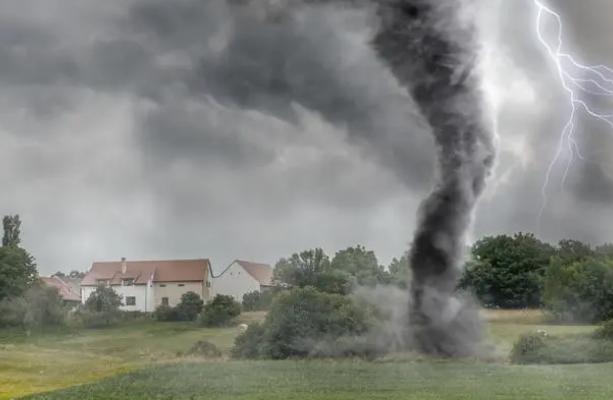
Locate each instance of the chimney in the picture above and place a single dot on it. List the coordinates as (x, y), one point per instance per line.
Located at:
(124, 265)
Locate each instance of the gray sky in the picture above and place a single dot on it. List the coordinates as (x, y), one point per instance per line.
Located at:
(155, 129)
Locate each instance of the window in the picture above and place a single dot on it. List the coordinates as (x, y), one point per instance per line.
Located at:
(102, 282)
(162, 285)
(164, 301)
(181, 284)
(208, 284)
(130, 301)
(127, 282)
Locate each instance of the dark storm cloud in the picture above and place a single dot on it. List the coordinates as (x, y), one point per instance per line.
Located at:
(223, 129)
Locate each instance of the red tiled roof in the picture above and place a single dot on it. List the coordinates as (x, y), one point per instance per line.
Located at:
(65, 290)
(261, 272)
(143, 271)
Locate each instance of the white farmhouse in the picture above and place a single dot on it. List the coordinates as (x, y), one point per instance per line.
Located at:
(144, 285)
(242, 277)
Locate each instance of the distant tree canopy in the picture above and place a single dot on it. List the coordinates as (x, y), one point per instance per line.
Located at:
(311, 268)
(400, 271)
(349, 267)
(17, 266)
(580, 290)
(508, 271)
(361, 265)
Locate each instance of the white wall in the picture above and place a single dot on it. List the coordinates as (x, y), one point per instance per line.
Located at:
(142, 293)
(174, 291)
(235, 282)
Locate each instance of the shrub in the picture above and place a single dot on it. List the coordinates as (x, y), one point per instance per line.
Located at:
(100, 309)
(305, 322)
(538, 349)
(258, 301)
(189, 307)
(165, 313)
(580, 291)
(248, 344)
(96, 319)
(221, 311)
(526, 349)
(202, 348)
(40, 306)
(605, 331)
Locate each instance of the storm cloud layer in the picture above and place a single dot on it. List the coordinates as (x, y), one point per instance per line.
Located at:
(225, 129)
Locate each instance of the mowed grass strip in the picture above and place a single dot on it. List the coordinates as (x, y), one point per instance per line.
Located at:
(350, 380)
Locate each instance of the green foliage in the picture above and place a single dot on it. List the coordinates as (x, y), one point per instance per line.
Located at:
(250, 343)
(203, 348)
(361, 265)
(165, 313)
(221, 311)
(507, 271)
(40, 306)
(581, 290)
(190, 306)
(311, 268)
(101, 308)
(258, 301)
(400, 271)
(526, 349)
(577, 349)
(17, 271)
(605, 331)
(11, 225)
(305, 322)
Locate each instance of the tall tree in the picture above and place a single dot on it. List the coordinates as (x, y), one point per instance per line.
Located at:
(361, 264)
(11, 225)
(508, 271)
(17, 266)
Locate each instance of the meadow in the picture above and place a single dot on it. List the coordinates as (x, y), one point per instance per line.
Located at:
(143, 360)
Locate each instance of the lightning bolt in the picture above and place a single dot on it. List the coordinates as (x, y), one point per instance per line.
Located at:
(578, 81)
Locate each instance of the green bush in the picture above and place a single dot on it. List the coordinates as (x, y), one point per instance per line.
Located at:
(190, 306)
(580, 291)
(221, 311)
(572, 349)
(605, 331)
(258, 301)
(202, 348)
(248, 344)
(40, 306)
(304, 322)
(527, 348)
(100, 309)
(96, 319)
(165, 313)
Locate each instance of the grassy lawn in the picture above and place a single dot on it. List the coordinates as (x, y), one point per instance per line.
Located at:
(49, 361)
(141, 361)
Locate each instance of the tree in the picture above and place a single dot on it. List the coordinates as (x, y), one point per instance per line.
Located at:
(101, 308)
(258, 301)
(39, 306)
(361, 264)
(400, 271)
(11, 225)
(312, 268)
(190, 306)
(573, 250)
(508, 271)
(580, 291)
(17, 271)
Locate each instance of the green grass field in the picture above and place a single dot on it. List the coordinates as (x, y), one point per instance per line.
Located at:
(141, 361)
